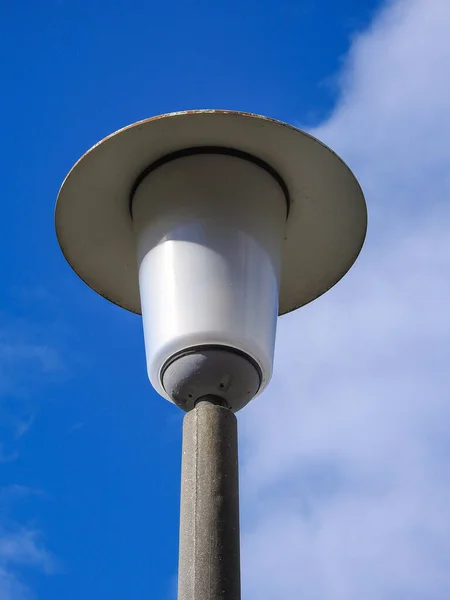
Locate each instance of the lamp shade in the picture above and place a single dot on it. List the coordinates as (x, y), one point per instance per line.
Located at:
(209, 229)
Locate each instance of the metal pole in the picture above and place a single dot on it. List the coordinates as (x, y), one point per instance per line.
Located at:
(209, 561)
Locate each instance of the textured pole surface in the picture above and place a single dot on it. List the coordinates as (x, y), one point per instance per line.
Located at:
(209, 562)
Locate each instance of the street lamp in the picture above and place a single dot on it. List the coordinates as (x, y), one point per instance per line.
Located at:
(210, 223)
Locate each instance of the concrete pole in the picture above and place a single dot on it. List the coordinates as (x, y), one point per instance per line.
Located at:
(209, 562)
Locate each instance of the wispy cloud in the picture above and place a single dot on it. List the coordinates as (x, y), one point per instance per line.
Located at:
(21, 547)
(346, 472)
(28, 362)
(18, 352)
(5, 456)
(23, 426)
(24, 366)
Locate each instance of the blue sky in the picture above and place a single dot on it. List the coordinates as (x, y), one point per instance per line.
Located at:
(344, 460)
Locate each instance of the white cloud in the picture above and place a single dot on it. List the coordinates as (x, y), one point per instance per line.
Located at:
(21, 548)
(22, 364)
(345, 459)
(25, 364)
(18, 550)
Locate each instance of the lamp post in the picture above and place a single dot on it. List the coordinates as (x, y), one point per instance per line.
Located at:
(210, 224)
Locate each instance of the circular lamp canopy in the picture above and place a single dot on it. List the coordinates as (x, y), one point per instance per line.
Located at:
(182, 218)
(327, 217)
